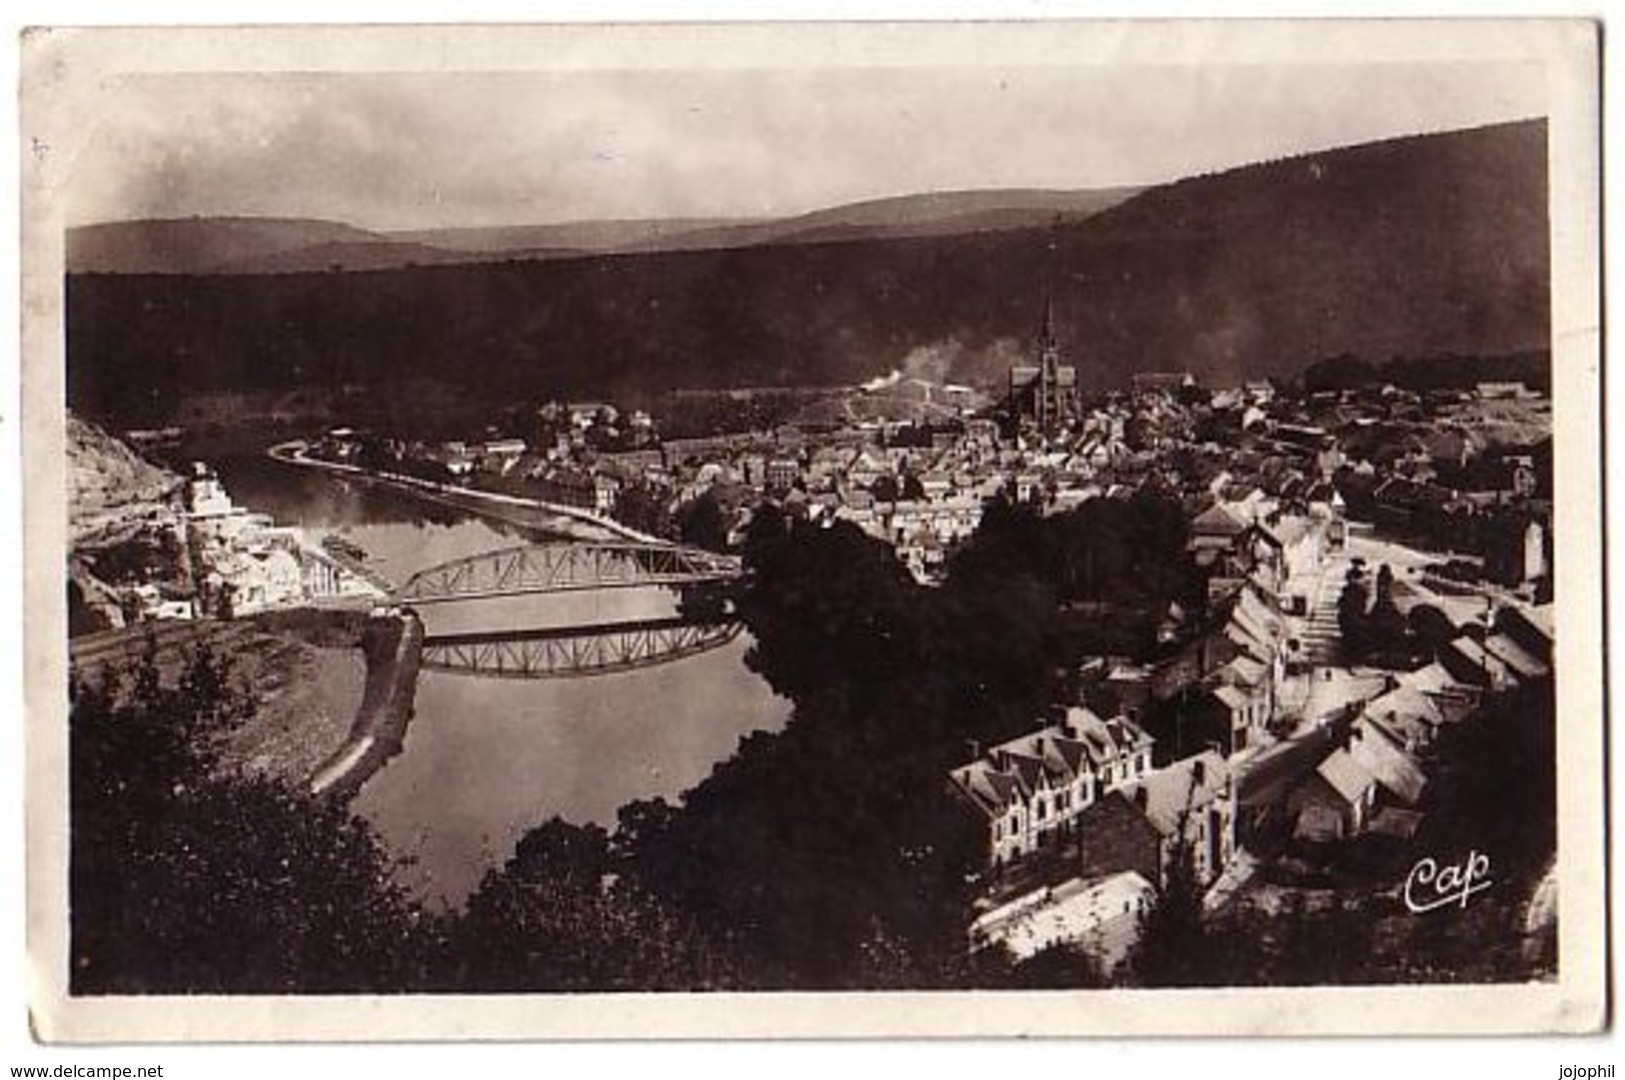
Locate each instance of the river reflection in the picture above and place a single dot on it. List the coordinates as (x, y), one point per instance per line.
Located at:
(487, 759)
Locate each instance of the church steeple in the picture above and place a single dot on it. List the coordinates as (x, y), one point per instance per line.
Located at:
(1043, 392)
(1051, 405)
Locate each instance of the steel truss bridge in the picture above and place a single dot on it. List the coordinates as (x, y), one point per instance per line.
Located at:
(572, 651)
(565, 567)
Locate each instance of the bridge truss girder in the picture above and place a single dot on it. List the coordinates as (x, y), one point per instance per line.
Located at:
(601, 652)
(565, 567)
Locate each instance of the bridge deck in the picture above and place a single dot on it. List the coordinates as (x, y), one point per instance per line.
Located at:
(565, 567)
(573, 651)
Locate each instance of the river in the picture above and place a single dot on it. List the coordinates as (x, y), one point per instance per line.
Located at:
(486, 759)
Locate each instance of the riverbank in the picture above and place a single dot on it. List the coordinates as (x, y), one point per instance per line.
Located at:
(393, 647)
(303, 672)
(526, 513)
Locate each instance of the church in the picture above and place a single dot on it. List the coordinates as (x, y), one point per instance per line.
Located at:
(1044, 396)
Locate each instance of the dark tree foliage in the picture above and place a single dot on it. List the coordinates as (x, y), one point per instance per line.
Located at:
(557, 917)
(1174, 948)
(186, 879)
(1386, 632)
(1352, 606)
(700, 523)
(147, 556)
(832, 852)
(1314, 939)
(645, 507)
(1064, 966)
(1122, 551)
(1494, 783)
(1341, 372)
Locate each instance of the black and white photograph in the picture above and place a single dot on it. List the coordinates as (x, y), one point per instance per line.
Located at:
(648, 519)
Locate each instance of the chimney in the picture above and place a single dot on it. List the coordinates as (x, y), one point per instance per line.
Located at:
(1140, 798)
(1199, 772)
(975, 748)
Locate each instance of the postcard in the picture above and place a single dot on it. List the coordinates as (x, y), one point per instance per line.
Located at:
(813, 529)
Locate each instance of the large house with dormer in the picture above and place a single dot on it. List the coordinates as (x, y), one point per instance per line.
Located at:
(1029, 791)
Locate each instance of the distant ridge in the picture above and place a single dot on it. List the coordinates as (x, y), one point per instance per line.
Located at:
(199, 245)
(1423, 246)
(211, 245)
(576, 237)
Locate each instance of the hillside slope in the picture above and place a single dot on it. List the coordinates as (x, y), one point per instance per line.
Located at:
(1433, 244)
(107, 481)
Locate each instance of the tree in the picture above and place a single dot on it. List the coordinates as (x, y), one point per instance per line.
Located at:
(558, 917)
(1386, 631)
(700, 523)
(187, 878)
(644, 506)
(1173, 947)
(1351, 613)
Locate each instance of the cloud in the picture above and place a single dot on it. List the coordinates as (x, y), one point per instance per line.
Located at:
(418, 150)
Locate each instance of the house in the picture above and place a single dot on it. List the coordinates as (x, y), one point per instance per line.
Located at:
(1515, 549)
(1523, 666)
(1259, 391)
(1469, 662)
(1503, 391)
(1240, 715)
(1301, 542)
(504, 449)
(1406, 714)
(1244, 623)
(1371, 771)
(1116, 837)
(781, 474)
(1530, 627)
(158, 602)
(1454, 700)
(1028, 791)
(606, 489)
(1399, 776)
(1118, 750)
(1191, 802)
(1335, 800)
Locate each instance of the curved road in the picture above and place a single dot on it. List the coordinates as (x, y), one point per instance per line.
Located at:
(573, 520)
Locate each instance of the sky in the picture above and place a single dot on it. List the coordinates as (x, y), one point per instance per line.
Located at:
(403, 151)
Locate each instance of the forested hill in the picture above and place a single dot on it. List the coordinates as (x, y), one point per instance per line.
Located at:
(1427, 245)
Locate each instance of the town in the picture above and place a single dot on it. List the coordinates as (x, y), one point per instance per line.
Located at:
(1367, 572)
